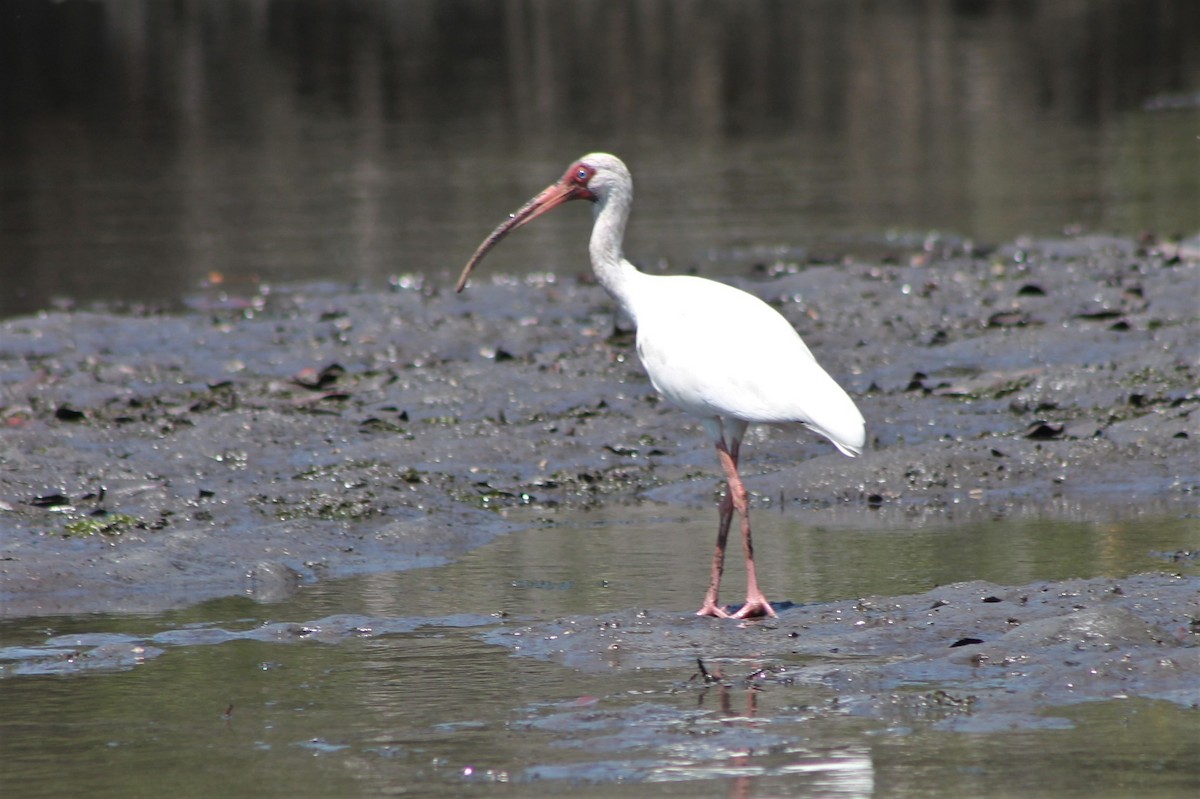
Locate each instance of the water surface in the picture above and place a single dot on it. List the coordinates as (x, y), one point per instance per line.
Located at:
(150, 150)
(239, 698)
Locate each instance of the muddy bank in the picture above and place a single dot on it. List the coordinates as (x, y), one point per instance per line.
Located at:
(250, 443)
(970, 657)
(967, 657)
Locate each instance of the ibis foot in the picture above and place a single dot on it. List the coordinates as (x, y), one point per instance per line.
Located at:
(711, 608)
(754, 609)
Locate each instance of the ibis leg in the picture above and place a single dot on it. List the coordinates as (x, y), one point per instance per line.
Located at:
(710, 606)
(756, 603)
(735, 498)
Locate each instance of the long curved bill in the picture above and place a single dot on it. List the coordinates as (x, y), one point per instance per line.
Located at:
(549, 199)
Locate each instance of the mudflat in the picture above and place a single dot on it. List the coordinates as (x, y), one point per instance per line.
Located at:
(244, 444)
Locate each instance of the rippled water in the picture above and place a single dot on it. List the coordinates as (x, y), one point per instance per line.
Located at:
(151, 150)
(388, 684)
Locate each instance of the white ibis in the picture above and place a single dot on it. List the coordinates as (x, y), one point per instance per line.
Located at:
(717, 352)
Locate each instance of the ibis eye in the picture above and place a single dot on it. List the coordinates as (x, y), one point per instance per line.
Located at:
(579, 174)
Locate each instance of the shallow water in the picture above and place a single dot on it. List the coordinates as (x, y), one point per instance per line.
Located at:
(152, 149)
(387, 684)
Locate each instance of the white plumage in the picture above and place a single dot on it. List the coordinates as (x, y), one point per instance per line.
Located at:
(717, 352)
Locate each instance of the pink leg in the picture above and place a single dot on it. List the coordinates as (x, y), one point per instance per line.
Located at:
(756, 603)
(710, 606)
(735, 498)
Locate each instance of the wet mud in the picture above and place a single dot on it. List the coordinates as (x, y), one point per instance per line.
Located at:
(966, 657)
(251, 445)
(251, 442)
